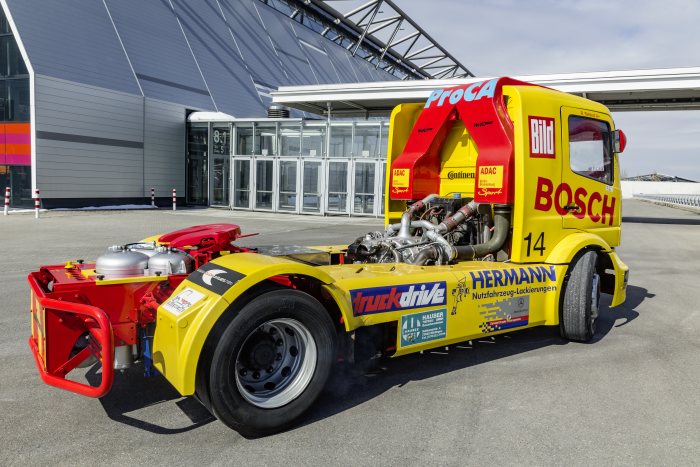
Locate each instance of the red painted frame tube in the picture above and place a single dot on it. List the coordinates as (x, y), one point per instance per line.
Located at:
(102, 335)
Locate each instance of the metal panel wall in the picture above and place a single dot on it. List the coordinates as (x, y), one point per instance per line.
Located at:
(225, 71)
(89, 141)
(164, 150)
(295, 63)
(73, 40)
(159, 52)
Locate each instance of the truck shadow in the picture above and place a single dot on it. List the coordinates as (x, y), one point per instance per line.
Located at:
(350, 385)
(132, 392)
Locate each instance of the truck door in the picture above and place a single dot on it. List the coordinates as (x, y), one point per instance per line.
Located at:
(589, 197)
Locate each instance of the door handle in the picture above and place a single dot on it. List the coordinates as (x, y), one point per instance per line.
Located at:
(572, 207)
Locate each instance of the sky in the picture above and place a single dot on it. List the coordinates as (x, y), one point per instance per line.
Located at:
(528, 37)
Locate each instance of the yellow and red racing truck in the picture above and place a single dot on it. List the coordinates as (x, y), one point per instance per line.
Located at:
(502, 213)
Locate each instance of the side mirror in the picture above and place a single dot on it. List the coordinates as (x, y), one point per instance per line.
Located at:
(619, 141)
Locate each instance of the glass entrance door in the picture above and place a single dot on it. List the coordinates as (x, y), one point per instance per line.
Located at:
(241, 182)
(312, 186)
(219, 181)
(363, 200)
(288, 182)
(264, 183)
(197, 180)
(337, 201)
(219, 176)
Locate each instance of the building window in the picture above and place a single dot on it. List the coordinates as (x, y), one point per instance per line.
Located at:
(266, 140)
(313, 142)
(290, 140)
(17, 103)
(14, 78)
(221, 140)
(366, 142)
(341, 141)
(244, 136)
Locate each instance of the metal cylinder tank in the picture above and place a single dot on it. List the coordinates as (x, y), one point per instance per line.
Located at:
(121, 263)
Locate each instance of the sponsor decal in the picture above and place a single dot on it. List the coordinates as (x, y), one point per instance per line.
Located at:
(459, 174)
(491, 176)
(485, 192)
(183, 300)
(459, 293)
(216, 278)
(504, 314)
(418, 328)
(597, 207)
(474, 92)
(542, 137)
(400, 180)
(398, 297)
(517, 276)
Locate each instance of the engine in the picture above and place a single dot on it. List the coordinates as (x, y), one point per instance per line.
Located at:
(437, 231)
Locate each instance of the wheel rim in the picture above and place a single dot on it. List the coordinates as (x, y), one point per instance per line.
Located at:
(276, 363)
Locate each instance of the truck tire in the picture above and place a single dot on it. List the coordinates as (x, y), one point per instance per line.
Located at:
(581, 300)
(271, 362)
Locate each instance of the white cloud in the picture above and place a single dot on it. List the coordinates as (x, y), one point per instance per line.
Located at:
(510, 37)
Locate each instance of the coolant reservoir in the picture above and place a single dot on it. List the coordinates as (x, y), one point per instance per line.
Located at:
(169, 261)
(121, 263)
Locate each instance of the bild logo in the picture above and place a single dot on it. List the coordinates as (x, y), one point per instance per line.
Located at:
(399, 297)
(542, 137)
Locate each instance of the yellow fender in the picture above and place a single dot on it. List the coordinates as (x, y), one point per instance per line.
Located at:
(180, 337)
(566, 250)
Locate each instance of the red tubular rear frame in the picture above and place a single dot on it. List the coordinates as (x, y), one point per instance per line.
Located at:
(69, 317)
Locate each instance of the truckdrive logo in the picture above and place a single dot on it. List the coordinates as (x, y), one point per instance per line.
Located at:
(541, 137)
(399, 297)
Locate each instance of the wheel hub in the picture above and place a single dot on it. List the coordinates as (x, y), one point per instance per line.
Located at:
(259, 353)
(276, 363)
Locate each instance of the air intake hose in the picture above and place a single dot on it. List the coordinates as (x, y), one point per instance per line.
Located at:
(501, 228)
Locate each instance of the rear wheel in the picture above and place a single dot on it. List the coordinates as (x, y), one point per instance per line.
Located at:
(581, 299)
(271, 362)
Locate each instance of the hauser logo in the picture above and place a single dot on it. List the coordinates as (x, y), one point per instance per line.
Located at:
(542, 137)
(399, 297)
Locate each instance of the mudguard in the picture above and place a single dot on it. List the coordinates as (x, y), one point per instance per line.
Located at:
(186, 319)
(568, 248)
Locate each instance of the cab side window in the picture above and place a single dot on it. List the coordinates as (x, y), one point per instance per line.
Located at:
(590, 148)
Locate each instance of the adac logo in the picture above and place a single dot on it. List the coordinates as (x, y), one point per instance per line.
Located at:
(399, 297)
(452, 175)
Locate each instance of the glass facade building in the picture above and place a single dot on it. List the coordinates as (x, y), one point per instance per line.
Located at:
(288, 165)
(15, 132)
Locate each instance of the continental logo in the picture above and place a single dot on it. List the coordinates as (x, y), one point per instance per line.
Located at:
(399, 297)
(459, 175)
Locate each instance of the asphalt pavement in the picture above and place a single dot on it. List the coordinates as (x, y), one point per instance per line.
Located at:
(529, 398)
